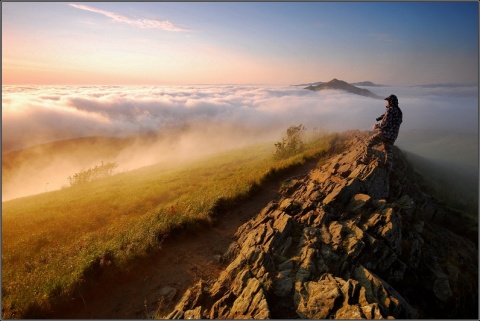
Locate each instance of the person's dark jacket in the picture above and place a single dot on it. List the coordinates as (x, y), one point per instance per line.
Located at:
(390, 123)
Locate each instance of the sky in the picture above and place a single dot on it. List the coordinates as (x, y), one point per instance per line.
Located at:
(279, 43)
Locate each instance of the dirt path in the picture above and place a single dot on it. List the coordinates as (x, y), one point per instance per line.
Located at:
(180, 263)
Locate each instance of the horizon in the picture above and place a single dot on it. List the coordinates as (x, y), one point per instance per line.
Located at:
(241, 43)
(466, 84)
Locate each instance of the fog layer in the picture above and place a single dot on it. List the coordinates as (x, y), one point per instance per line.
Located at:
(186, 121)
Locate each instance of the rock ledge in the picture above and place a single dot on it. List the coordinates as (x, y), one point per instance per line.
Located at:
(348, 241)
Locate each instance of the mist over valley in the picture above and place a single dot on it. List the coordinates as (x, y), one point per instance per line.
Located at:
(51, 132)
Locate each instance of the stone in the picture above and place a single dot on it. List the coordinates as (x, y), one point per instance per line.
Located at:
(348, 312)
(287, 265)
(193, 314)
(221, 308)
(337, 243)
(286, 203)
(189, 300)
(378, 291)
(218, 258)
(377, 184)
(167, 293)
(241, 281)
(344, 170)
(319, 176)
(283, 286)
(357, 171)
(335, 230)
(251, 303)
(379, 205)
(316, 300)
(333, 195)
(442, 290)
(175, 315)
(372, 311)
(242, 303)
(358, 202)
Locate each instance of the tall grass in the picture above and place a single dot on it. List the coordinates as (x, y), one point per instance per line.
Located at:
(53, 242)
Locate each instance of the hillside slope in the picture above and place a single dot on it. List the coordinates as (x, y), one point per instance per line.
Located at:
(345, 241)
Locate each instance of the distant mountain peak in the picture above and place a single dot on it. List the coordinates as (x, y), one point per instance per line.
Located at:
(343, 85)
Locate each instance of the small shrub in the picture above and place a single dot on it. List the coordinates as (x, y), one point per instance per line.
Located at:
(292, 143)
(92, 174)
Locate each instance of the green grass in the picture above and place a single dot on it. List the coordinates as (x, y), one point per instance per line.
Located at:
(53, 242)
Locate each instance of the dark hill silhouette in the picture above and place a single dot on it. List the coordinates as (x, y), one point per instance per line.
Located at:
(342, 85)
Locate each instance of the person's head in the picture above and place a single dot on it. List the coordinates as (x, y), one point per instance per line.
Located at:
(391, 101)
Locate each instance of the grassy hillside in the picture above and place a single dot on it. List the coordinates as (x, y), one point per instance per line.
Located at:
(54, 241)
(30, 171)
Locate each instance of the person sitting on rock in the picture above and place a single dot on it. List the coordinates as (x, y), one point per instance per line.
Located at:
(387, 132)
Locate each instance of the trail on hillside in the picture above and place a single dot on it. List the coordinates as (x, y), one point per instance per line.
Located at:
(183, 259)
(350, 240)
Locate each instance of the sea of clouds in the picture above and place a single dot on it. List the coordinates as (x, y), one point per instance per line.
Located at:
(33, 115)
(222, 117)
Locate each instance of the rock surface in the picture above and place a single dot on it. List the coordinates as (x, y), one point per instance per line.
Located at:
(347, 241)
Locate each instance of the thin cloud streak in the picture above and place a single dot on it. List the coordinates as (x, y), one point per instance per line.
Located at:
(139, 23)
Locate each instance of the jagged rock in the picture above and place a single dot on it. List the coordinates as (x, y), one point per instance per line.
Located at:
(176, 315)
(346, 241)
(193, 314)
(377, 184)
(317, 300)
(358, 202)
(284, 284)
(251, 302)
(190, 300)
(221, 308)
(378, 291)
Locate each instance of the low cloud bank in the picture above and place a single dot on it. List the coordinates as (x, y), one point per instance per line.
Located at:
(202, 119)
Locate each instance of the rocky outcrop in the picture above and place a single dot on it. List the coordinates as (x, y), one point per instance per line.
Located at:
(346, 241)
